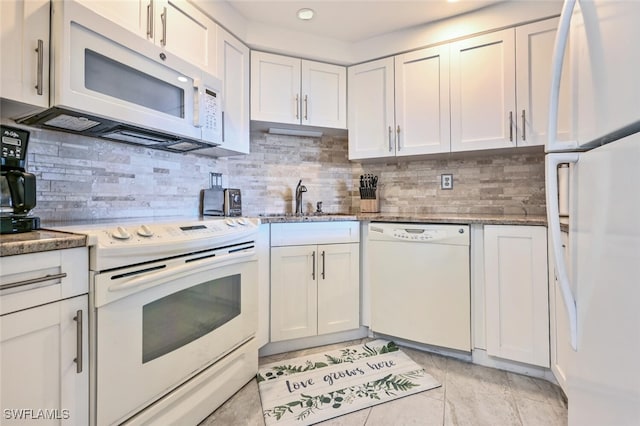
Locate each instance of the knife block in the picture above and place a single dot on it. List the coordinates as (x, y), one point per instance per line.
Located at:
(370, 206)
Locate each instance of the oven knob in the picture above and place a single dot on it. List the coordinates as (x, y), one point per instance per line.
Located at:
(230, 222)
(121, 234)
(242, 221)
(144, 231)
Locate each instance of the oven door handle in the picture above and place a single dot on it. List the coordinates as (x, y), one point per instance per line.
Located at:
(190, 267)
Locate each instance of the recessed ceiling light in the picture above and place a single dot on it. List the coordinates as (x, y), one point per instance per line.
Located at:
(305, 14)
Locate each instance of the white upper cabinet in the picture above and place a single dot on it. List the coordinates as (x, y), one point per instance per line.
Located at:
(24, 43)
(275, 88)
(294, 91)
(371, 110)
(176, 26)
(500, 86)
(400, 106)
(134, 15)
(534, 48)
(483, 98)
(324, 95)
(233, 60)
(422, 101)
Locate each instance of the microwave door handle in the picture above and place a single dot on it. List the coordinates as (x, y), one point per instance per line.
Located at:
(198, 102)
(163, 275)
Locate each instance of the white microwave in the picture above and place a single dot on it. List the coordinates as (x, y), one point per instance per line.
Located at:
(107, 82)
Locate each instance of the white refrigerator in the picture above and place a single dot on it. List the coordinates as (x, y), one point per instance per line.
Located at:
(602, 292)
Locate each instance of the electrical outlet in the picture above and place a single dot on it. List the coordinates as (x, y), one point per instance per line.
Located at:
(446, 181)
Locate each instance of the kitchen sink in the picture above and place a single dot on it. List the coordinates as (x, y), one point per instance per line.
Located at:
(303, 217)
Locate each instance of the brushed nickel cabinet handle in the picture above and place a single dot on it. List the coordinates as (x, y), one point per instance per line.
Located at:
(323, 266)
(390, 142)
(40, 52)
(163, 18)
(78, 358)
(306, 108)
(297, 107)
(510, 126)
(33, 281)
(398, 138)
(150, 19)
(524, 126)
(313, 265)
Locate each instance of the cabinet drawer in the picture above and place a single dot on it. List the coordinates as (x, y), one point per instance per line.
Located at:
(294, 234)
(41, 278)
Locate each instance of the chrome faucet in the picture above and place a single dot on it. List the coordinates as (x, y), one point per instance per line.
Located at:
(299, 190)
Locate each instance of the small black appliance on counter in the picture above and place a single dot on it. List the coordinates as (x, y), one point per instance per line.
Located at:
(18, 188)
(218, 201)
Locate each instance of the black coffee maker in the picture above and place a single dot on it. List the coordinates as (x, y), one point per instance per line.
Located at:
(18, 195)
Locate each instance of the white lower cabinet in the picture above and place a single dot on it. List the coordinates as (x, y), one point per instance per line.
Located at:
(516, 293)
(39, 368)
(315, 288)
(44, 351)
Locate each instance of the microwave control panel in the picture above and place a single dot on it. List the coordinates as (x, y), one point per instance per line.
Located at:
(212, 116)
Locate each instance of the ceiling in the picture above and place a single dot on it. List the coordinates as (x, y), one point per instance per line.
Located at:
(351, 21)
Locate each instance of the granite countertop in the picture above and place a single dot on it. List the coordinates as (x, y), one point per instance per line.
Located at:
(486, 219)
(45, 240)
(37, 241)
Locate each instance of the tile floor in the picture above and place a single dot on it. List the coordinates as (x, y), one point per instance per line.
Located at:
(470, 395)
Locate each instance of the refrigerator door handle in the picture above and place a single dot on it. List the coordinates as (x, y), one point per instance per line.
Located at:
(553, 218)
(562, 37)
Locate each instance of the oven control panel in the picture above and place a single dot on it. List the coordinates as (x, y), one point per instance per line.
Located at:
(178, 231)
(116, 244)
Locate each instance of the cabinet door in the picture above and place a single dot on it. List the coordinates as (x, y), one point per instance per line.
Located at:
(136, 15)
(338, 288)
(483, 92)
(24, 43)
(39, 346)
(294, 297)
(324, 95)
(422, 101)
(184, 31)
(371, 110)
(534, 50)
(275, 88)
(517, 303)
(233, 63)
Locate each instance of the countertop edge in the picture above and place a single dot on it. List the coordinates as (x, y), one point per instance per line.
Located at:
(410, 218)
(48, 240)
(39, 241)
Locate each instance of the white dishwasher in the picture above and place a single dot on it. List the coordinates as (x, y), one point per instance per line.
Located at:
(420, 283)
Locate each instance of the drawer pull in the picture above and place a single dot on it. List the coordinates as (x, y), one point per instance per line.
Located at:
(33, 281)
(78, 358)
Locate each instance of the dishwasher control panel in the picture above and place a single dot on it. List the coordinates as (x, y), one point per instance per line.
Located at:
(420, 233)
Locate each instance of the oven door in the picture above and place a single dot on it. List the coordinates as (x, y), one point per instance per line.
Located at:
(160, 324)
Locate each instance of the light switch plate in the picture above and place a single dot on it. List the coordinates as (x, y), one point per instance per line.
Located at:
(446, 181)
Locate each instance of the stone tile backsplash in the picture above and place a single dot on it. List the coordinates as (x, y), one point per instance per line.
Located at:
(85, 178)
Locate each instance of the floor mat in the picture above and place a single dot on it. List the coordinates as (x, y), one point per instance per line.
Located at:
(310, 389)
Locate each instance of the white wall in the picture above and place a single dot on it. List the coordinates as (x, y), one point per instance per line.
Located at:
(277, 40)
